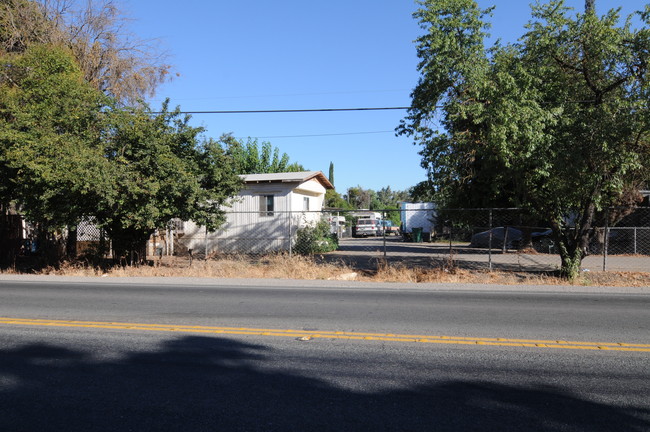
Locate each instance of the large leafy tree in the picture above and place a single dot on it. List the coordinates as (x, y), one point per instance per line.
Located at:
(66, 153)
(557, 123)
(160, 169)
(50, 122)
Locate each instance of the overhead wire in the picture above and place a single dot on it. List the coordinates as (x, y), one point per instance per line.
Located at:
(289, 110)
(324, 135)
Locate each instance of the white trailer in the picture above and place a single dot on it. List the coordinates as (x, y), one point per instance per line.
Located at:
(418, 215)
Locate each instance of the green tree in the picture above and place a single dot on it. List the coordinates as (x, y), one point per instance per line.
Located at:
(50, 123)
(557, 123)
(334, 199)
(67, 152)
(160, 170)
(389, 200)
(423, 192)
(249, 158)
(360, 198)
(331, 173)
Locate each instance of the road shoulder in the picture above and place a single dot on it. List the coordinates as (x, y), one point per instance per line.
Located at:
(325, 284)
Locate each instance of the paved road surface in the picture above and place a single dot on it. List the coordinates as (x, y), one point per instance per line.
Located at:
(217, 360)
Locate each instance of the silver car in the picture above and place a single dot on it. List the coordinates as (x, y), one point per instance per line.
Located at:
(367, 227)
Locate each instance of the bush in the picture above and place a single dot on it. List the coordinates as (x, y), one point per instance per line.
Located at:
(315, 239)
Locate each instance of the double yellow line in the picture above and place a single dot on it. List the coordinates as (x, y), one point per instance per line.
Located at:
(308, 335)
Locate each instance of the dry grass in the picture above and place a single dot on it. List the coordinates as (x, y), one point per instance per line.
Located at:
(272, 267)
(401, 273)
(283, 266)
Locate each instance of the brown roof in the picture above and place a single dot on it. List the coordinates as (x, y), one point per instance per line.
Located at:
(289, 177)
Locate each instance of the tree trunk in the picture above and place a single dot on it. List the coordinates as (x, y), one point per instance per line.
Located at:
(571, 248)
(571, 261)
(526, 242)
(129, 245)
(71, 242)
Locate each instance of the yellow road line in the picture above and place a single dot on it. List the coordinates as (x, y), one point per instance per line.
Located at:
(386, 337)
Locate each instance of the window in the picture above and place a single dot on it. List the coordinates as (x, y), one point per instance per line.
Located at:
(305, 204)
(266, 205)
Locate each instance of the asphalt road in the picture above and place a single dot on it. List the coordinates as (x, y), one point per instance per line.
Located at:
(116, 356)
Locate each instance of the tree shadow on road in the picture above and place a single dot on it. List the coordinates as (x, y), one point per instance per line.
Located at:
(219, 384)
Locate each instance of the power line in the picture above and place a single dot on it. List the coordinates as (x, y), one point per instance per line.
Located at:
(289, 110)
(287, 95)
(324, 135)
(330, 109)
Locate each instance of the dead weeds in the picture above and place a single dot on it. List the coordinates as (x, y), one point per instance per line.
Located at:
(283, 266)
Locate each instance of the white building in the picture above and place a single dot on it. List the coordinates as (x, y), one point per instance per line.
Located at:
(265, 216)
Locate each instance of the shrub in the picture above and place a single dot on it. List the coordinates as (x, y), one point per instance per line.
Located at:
(314, 239)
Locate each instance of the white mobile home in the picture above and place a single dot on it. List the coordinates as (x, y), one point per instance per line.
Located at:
(265, 216)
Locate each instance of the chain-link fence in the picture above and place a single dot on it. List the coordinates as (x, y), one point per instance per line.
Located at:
(417, 235)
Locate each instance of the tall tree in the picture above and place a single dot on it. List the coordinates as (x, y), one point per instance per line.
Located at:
(250, 159)
(558, 122)
(66, 153)
(50, 127)
(112, 60)
(331, 173)
(160, 170)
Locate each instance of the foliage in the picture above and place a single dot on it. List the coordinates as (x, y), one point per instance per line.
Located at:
(66, 153)
(49, 132)
(330, 177)
(334, 200)
(360, 198)
(111, 60)
(314, 239)
(249, 158)
(423, 192)
(388, 199)
(557, 123)
(384, 199)
(160, 170)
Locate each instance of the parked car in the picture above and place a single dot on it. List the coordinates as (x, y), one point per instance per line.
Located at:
(389, 228)
(542, 240)
(367, 227)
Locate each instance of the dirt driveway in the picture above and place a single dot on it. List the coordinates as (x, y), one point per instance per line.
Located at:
(364, 253)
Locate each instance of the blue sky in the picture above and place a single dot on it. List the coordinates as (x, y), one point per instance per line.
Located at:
(290, 54)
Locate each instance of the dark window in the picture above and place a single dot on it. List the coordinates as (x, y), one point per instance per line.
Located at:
(266, 205)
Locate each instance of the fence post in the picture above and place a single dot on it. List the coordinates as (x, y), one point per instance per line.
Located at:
(339, 233)
(167, 240)
(171, 241)
(290, 233)
(490, 241)
(606, 242)
(383, 218)
(206, 242)
(634, 240)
